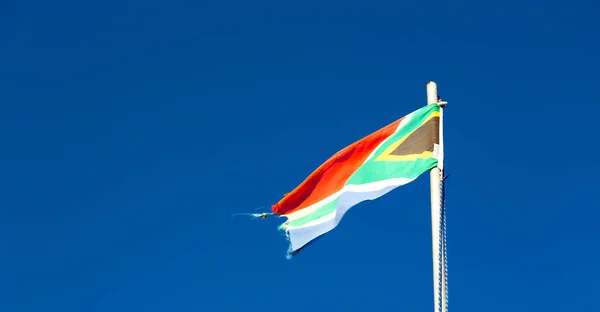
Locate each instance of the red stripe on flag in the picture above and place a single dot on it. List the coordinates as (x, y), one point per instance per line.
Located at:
(332, 175)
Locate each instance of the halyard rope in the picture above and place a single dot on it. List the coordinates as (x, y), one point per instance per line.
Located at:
(443, 251)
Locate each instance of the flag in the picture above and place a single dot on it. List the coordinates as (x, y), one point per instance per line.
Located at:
(365, 170)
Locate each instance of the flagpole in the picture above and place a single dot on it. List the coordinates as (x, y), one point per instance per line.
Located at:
(436, 180)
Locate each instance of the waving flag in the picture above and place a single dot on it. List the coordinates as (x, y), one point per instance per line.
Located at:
(367, 169)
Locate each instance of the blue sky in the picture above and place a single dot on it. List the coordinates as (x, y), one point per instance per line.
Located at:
(131, 130)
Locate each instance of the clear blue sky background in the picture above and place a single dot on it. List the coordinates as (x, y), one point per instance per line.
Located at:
(131, 130)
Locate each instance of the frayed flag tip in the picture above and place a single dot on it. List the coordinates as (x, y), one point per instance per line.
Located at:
(263, 215)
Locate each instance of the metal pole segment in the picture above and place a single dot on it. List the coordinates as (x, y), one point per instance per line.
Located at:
(436, 177)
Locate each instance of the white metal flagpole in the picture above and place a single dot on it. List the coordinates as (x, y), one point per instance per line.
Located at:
(438, 243)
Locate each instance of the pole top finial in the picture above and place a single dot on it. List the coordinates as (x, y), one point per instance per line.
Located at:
(431, 93)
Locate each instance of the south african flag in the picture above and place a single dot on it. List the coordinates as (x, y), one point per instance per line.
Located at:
(365, 170)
